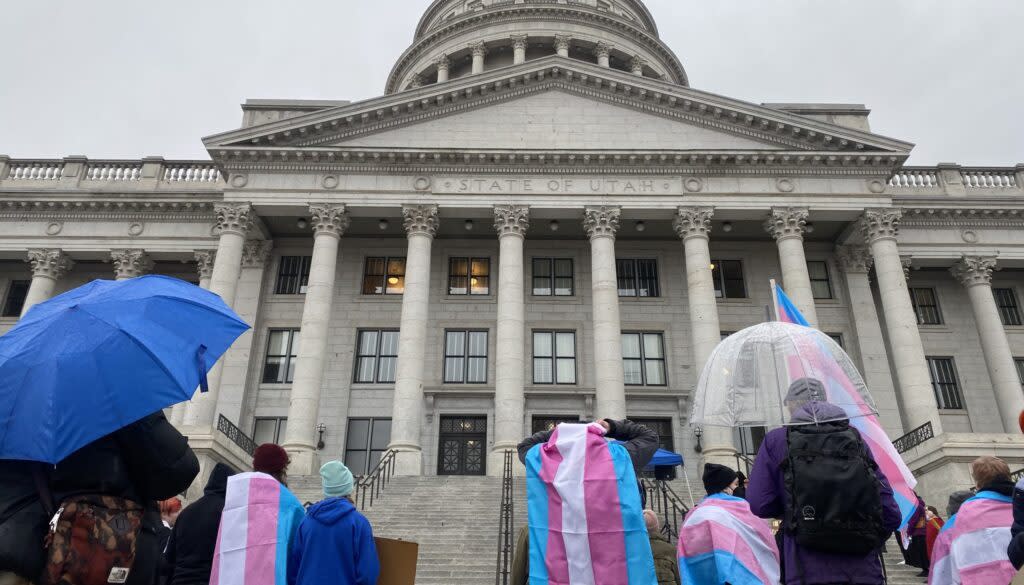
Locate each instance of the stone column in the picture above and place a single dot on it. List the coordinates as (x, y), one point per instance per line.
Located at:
(443, 65)
(204, 266)
(880, 228)
(636, 65)
(693, 224)
(420, 223)
(48, 266)
(601, 225)
(511, 223)
(329, 224)
(855, 262)
(233, 221)
(975, 273)
(479, 50)
(603, 53)
(130, 263)
(562, 45)
(786, 225)
(519, 49)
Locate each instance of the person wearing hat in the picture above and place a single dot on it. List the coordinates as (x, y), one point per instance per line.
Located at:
(335, 542)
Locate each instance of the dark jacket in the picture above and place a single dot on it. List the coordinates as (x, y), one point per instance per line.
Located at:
(145, 462)
(193, 541)
(666, 563)
(641, 442)
(1016, 548)
(23, 519)
(334, 544)
(521, 558)
(768, 499)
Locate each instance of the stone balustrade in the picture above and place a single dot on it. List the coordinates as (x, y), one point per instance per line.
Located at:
(141, 174)
(113, 171)
(952, 179)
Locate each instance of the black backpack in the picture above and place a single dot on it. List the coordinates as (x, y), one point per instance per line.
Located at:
(834, 500)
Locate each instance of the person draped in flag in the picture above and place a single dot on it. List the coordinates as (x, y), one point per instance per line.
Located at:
(585, 513)
(721, 541)
(258, 526)
(972, 547)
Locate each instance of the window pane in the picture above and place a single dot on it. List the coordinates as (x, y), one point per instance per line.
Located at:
(282, 428)
(542, 371)
(373, 285)
(542, 344)
(453, 369)
(541, 286)
(732, 269)
(647, 278)
(389, 343)
(480, 285)
(396, 266)
(655, 370)
(817, 270)
(356, 462)
(395, 285)
(631, 345)
(368, 343)
(278, 343)
(273, 370)
(478, 343)
(455, 343)
(457, 285)
(16, 294)
(386, 373)
(563, 286)
(358, 433)
(290, 376)
(381, 433)
(364, 369)
(735, 289)
(481, 267)
(374, 266)
(625, 271)
(264, 430)
(477, 371)
(296, 340)
(632, 372)
(652, 345)
(541, 267)
(563, 267)
(459, 267)
(821, 289)
(566, 344)
(566, 371)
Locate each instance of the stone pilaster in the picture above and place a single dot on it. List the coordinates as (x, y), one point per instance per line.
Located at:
(519, 43)
(562, 43)
(329, 224)
(204, 266)
(130, 263)
(786, 225)
(48, 266)
(601, 225)
(975, 274)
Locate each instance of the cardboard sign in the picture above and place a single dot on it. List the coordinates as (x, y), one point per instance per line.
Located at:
(397, 561)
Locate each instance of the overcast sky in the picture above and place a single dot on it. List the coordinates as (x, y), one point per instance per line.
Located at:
(126, 79)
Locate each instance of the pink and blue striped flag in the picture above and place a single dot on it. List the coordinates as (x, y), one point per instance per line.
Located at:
(258, 525)
(585, 520)
(721, 541)
(841, 392)
(971, 549)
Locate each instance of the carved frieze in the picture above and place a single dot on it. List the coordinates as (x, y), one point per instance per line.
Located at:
(787, 222)
(601, 222)
(420, 220)
(693, 222)
(49, 262)
(880, 224)
(974, 270)
(329, 219)
(511, 220)
(130, 263)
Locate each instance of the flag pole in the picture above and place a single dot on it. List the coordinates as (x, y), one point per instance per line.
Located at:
(775, 301)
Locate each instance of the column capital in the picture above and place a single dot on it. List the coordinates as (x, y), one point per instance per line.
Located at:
(420, 220)
(519, 42)
(562, 42)
(511, 220)
(854, 259)
(204, 263)
(329, 219)
(786, 222)
(637, 64)
(974, 270)
(907, 262)
(255, 253)
(233, 218)
(50, 263)
(442, 61)
(880, 224)
(601, 222)
(603, 49)
(479, 49)
(693, 222)
(130, 263)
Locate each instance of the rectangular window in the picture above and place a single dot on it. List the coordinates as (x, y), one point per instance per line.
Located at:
(728, 277)
(269, 430)
(838, 338)
(554, 357)
(376, 356)
(1009, 312)
(17, 291)
(465, 357)
(365, 442)
(643, 359)
(662, 426)
(945, 384)
(553, 277)
(548, 422)
(748, 440)
(293, 275)
(282, 351)
(821, 286)
(384, 276)
(469, 276)
(637, 277)
(926, 305)
(1020, 368)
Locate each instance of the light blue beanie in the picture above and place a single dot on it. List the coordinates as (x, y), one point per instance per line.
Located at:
(337, 479)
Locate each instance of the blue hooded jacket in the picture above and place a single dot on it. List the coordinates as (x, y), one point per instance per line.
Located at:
(334, 545)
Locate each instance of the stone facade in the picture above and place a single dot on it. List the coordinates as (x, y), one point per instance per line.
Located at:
(571, 150)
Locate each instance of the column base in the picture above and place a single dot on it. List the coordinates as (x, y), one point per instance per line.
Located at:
(496, 461)
(303, 460)
(408, 459)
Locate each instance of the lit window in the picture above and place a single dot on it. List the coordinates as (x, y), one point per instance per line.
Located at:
(469, 276)
(384, 276)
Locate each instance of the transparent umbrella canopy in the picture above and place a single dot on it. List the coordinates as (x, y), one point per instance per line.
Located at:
(760, 375)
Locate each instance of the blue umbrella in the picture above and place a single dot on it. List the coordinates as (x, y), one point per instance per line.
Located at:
(102, 356)
(662, 458)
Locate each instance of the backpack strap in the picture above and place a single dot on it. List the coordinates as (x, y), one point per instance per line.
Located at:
(43, 488)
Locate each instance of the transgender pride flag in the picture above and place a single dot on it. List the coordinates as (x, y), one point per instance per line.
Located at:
(971, 549)
(586, 523)
(721, 541)
(841, 392)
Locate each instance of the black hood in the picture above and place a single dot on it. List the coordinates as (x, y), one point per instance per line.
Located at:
(218, 482)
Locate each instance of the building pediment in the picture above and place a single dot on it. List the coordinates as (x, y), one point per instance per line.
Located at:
(604, 103)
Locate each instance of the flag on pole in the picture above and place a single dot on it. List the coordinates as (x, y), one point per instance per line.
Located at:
(785, 310)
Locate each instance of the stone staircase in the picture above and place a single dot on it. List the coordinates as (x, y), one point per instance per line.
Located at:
(455, 521)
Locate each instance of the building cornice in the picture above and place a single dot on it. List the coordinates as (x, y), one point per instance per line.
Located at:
(155, 211)
(963, 217)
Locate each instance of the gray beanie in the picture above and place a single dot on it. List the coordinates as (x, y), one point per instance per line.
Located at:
(806, 390)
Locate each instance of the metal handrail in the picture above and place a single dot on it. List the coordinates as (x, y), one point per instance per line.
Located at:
(236, 435)
(505, 523)
(666, 503)
(747, 463)
(373, 483)
(914, 438)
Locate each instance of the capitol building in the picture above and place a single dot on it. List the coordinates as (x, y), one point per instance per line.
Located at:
(541, 219)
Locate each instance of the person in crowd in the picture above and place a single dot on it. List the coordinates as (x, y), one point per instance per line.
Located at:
(258, 526)
(169, 510)
(1016, 548)
(23, 522)
(957, 499)
(934, 526)
(741, 487)
(335, 542)
(193, 540)
(520, 572)
(721, 541)
(837, 559)
(917, 552)
(972, 547)
(666, 566)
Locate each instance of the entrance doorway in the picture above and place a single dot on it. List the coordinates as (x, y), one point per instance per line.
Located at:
(462, 445)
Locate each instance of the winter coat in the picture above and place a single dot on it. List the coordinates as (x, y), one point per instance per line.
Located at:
(145, 462)
(1016, 548)
(23, 519)
(918, 520)
(666, 565)
(932, 532)
(334, 545)
(768, 499)
(521, 558)
(189, 553)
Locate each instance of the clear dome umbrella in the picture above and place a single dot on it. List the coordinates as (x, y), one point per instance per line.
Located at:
(762, 374)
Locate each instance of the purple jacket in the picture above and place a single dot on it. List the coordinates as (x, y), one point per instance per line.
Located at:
(767, 496)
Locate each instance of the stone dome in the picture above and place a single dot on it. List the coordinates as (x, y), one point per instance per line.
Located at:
(456, 38)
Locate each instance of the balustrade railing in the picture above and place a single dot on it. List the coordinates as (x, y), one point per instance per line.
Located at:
(669, 507)
(506, 516)
(989, 178)
(945, 177)
(914, 438)
(374, 482)
(915, 177)
(236, 435)
(191, 172)
(79, 169)
(113, 171)
(28, 170)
